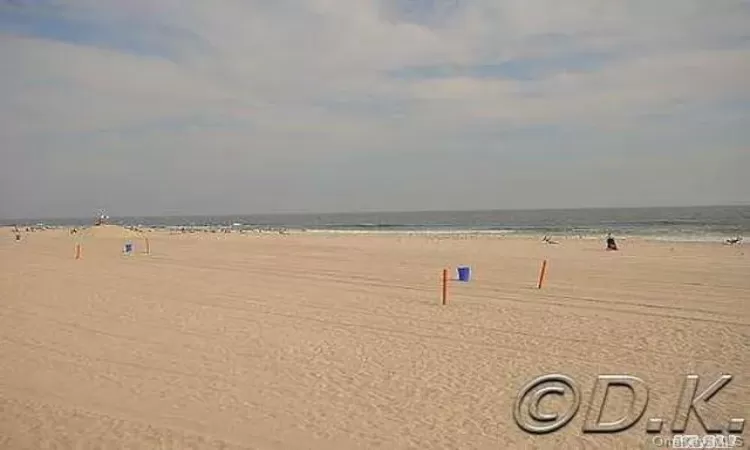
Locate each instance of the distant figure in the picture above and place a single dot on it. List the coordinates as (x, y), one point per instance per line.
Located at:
(549, 240)
(611, 244)
(736, 240)
(18, 236)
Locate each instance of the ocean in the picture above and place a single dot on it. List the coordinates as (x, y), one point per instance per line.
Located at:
(679, 223)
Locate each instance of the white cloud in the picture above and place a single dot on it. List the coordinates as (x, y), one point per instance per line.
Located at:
(622, 91)
(292, 53)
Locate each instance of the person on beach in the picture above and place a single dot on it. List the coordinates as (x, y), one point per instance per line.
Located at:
(611, 244)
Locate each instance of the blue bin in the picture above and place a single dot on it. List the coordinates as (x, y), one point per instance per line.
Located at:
(464, 274)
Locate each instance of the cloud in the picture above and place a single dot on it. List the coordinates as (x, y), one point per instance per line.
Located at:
(234, 92)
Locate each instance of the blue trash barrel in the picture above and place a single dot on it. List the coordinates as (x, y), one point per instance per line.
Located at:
(464, 274)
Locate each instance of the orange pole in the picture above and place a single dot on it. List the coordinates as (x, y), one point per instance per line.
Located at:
(445, 286)
(78, 251)
(541, 274)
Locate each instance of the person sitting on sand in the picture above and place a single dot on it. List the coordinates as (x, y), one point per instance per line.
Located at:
(548, 240)
(736, 240)
(611, 244)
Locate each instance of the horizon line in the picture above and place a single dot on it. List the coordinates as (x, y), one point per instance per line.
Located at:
(426, 211)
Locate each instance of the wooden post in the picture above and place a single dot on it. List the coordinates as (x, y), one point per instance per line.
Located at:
(445, 286)
(541, 274)
(78, 251)
(148, 248)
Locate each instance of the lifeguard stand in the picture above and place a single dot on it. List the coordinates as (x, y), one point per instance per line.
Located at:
(101, 219)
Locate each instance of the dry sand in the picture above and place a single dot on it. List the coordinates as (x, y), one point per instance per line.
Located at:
(316, 341)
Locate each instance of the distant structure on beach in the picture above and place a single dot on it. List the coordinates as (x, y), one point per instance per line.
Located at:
(101, 219)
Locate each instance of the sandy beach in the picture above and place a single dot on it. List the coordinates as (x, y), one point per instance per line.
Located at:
(336, 341)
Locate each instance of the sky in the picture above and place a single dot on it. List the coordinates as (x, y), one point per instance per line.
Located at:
(183, 107)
